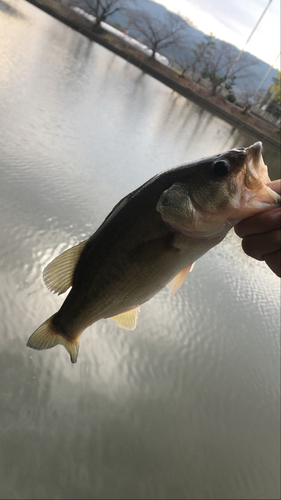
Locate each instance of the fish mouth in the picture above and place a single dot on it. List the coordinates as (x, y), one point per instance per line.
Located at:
(258, 196)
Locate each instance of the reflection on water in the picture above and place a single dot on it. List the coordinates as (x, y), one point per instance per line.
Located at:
(187, 405)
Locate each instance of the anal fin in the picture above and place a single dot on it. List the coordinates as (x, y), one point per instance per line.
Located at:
(127, 319)
(178, 280)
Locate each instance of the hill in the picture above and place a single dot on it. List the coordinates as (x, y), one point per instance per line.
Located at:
(217, 105)
(193, 37)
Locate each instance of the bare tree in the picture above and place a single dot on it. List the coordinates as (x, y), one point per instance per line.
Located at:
(158, 34)
(269, 100)
(182, 62)
(202, 51)
(100, 9)
(249, 98)
(218, 63)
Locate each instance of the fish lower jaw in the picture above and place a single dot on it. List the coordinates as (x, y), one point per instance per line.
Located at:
(213, 233)
(255, 204)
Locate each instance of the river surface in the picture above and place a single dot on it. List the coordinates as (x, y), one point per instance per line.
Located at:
(186, 405)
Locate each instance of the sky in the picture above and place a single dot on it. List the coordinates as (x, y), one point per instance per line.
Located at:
(233, 21)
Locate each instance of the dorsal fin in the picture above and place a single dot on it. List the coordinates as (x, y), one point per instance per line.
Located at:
(59, 273)
(127, 319)
(178, 280)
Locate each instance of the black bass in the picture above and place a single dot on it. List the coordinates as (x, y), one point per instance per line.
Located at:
(151, 239)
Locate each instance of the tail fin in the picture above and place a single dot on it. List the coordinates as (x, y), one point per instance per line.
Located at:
(46, 337)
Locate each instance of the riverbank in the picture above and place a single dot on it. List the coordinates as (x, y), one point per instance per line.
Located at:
(262, 130)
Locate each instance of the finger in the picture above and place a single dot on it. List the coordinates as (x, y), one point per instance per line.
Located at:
(259, 223)
(273, 261)
(258, 247)
(275, 185)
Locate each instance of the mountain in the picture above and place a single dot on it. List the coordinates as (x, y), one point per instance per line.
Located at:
(193, 36)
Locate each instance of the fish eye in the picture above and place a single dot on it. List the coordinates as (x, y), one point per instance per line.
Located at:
(221, 168)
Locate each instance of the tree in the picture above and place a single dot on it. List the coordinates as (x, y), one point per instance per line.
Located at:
(158, 34)
(202, 51)
(217, 62)
(272, 102)
(182, 61)
(249, 98)
(276, 88)
(100, 9)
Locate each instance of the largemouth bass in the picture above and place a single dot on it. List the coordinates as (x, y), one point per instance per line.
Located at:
(151, 239)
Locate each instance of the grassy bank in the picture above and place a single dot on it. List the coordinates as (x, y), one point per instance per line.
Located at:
(216, 104)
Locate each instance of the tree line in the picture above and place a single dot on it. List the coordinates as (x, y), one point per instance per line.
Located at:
(210, 59)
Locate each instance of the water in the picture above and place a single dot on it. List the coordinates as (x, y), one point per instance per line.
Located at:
(187, 405)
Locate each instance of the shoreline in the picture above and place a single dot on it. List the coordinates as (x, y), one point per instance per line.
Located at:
(186, 87)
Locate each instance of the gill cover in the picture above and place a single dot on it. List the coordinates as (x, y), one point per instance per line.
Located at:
(219, 193)
(175, 203)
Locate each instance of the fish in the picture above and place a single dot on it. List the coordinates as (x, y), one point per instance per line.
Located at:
(151, 239)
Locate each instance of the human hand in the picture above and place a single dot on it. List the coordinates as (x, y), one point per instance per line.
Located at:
(261, 234)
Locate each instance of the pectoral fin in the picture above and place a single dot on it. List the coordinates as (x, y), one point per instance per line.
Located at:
(178, 280)
(59, 273)
(127, 319)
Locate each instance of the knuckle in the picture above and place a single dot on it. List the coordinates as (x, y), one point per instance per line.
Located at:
(249, 247)
(274, 219)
